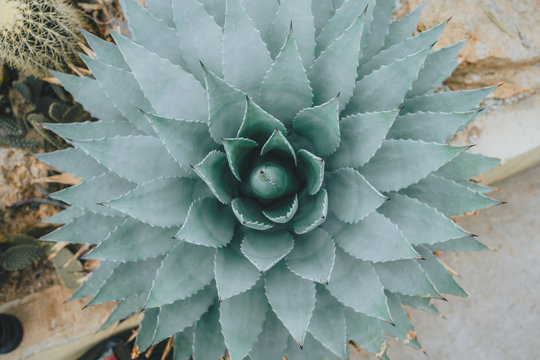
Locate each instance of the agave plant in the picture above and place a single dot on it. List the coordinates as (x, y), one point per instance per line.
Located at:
(269, 177)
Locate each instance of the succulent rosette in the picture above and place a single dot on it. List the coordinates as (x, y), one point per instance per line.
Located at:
(269, 177)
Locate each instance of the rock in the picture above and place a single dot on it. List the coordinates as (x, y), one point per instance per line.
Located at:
(504, 45)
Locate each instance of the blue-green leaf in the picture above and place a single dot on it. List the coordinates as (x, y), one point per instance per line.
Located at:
(262, 13)
(405, 277)
(238, 151)
(465, 244)
(258, 125)
(125, 308)
(403, 28)
(91, 286)
(73, 161)
(147, 329)
(208, 342)
(161, 9)
(282, 211)
(467, 165)
(311, 167)
(439, 276)
(278, 143)
(105, 51)
(402, 328)
(272, 341)
(379, 19)
(365, 331)
(312, 212)
(265, 249)
(183, 344)
(93, 130)
(249, 214)
(450, 101)
(214, 171)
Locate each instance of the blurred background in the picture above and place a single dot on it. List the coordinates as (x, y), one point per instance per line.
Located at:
(499, 320)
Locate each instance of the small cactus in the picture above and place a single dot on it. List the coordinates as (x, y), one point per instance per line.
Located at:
(39, 35)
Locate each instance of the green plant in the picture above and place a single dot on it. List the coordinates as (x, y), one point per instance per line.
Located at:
(284, 197)
(39, 35)
(18, 251)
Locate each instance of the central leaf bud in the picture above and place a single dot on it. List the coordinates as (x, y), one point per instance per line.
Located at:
(271, 181)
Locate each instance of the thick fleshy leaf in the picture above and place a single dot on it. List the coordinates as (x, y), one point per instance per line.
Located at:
(439, 276)
(172, 91)
(340, 21)
(285, 89)
(92, 130)
(396, 166)
(89, 228)
(208, 223)
(226, 107)
(312, 212)
(238, 151)
(187, 141)
(429, 126)
(447, 196)
(185, 270)
(405, 277)
(262, 13)
(313, 255)
(217, 9)
(366, 295)
(311, 349)
(91, 286)
(297, 12)
(403, 28)
(311, 167)
(385, 88)
(73, 161)
(258, 125)
(90, 194)
(380, 15)
(242, 318)
(322, 12)
(145, 26)
(467, 165)
(334, 71)
(105, 51)
(199, 37)
(64, 216)
(130, 241)
(120, 284)
(214, 171)
(420, 223)
(123, 156)
(161, 9)
(88, 92)
(465, 244)
(147, 329)
(327, 324)
(374, 239)
(438, 67)
(245, 57)
(419, 302)
(162, 202)
(451, 101)
(365, 331)
(248, 212)
(234, 273)
(184, 313)
(265, 249)
(208, 342)
(278, 143)
(292, 299)
(272, 341)
(282, 211)
(319, 125)
(361, 136)
(125, 308)
(183, 344)
(121, 87)
(402, 328)
(351, 197)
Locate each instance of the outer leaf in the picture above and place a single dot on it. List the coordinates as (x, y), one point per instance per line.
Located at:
(328, 323)
(122, 155)
(162, 202)
(258, 125)
(238, 151)
(208, 223)
(234, 273)
(282, 211)
(183, 344)
(361, 136)
(213, 170)
(172, 91)
(447, 196)
(242, 318)
(262, 13)
(451, 101)
(405, 277)
(313, 256)
(334, 71)
(418, 302)
(208, 342)
(297, 12)
(91, 286)
(438, 274)
(187, 141)
(92, 130)
(320, 127)
(161, 9)
(64, 216)
(216, 8)
(105, 51)
(184, 313)
(322, 12)
(311, 213)
(285, 89)
(396, 166)
(420, 223)
(366, 296)
(250, 215)
(245, 57)
(385, 88)
(200, 37)
(311, 167)
(402, 329)
(467, 165)
(311, 349)
(130, 241)
(365, 331)
(351, 197)
(147, 329)
(292, 299)
(272, 341)
(374, 239)
(264, 249)
(465, 244)
(379, 27)
(403, 28)
(125, 308)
